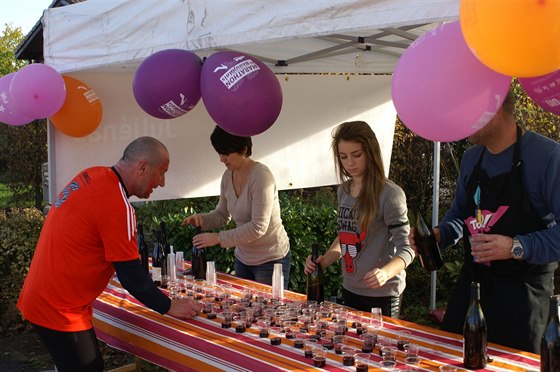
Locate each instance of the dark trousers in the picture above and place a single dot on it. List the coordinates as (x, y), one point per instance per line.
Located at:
(263, 273)
(390, 305)
(72, 351)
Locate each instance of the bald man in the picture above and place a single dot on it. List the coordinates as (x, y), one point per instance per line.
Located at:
(89, 233)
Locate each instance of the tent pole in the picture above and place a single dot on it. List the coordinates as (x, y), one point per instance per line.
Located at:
(435, 218)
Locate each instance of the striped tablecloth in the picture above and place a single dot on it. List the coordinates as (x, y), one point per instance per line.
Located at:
(201, 344)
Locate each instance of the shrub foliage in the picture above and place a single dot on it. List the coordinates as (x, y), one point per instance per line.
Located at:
(19, 232)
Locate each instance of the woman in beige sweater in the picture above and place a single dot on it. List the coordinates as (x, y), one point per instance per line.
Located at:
(248, 194)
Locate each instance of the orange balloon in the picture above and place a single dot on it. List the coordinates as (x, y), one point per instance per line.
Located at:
(81, 113)
(513, 37)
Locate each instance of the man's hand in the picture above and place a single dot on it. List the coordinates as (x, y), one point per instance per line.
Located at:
(491, 247)
(437, 235)
(183, 308)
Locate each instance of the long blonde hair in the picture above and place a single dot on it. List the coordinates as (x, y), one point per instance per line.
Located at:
(374, 176)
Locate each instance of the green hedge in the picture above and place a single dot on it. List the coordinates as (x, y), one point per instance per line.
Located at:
(308, 216)
(19, 232)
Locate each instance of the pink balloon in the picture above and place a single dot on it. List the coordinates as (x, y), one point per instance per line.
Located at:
(167, 83)
(37, 91)
(241, 94)
(441, 91)
(7, 113)
(544, 90)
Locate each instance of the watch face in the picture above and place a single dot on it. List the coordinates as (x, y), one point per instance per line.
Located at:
(517, 251)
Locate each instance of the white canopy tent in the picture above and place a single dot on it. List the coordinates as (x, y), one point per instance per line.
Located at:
(323, 52)
(102, 42)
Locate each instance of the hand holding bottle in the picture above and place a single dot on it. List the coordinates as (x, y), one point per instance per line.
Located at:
(206, 240)
(310, 265)
(426, 243)
(183, 308)
(194, 219)
(412, 240)
(315, 278)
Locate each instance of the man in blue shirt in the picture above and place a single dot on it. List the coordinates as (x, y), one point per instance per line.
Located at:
(506, 209)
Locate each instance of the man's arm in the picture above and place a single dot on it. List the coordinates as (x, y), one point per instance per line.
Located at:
(136, 281)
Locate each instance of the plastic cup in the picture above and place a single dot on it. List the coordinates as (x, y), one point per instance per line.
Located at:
(339, 341)
(308, 345)
(411, 351)
(319, 357)
(447, 368)
(403, 339)
(368, 341)
(239, 323)
(348, 353)
(389, 353)
(387, 365)
(376, 317)
(362, 362)
(299, 341)
(263, 324)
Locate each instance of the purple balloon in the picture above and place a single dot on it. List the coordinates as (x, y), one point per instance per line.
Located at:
(441, 91)
(37, 91)
(167, 83)
(241, 94)
(544, 90)
(7, 113)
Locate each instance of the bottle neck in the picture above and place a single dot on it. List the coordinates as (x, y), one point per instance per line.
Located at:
(475, 293)
(553, 311)
(314, 252)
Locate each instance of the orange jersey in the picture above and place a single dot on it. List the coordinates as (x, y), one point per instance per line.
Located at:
(91, 225)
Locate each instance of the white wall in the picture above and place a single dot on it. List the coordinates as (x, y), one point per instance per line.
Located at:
(296, 147)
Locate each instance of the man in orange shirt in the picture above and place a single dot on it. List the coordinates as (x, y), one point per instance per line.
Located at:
(89, 233)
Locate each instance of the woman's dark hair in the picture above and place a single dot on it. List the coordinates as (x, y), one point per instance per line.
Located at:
(226, 143)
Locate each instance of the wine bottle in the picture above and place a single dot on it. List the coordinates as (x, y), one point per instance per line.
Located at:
(164, 241)
(550, 342)
(166, 250)
(142, 247)
(198, 259)
(428, 250)
(316, 278)
(159, 262)
(475, 333)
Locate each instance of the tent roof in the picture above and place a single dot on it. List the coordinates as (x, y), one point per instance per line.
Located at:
(31, 47)
(359, 36)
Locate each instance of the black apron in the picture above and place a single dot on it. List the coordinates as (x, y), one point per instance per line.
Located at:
(514, 294)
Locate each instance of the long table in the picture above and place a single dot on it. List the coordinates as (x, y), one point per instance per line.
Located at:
(201, 344)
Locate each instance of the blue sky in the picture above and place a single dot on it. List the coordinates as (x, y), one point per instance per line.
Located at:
(22, 13)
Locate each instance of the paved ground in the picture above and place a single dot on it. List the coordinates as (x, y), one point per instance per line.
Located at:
(26, 353)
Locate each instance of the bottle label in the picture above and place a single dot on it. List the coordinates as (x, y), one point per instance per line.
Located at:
(156, 274)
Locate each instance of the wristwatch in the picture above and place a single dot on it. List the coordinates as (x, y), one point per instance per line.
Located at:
(517, 249)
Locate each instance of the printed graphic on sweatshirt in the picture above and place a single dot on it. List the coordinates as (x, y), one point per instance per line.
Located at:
(351, 246)
(351, 242)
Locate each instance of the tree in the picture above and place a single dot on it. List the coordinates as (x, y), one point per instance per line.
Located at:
(22, 149)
